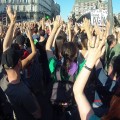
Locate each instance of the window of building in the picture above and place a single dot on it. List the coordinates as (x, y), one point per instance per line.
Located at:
(12, 1)
(6, 1)
(32, 16)
(25, 1)
(87, 4)
(18, 1)
(31, 7)
(13, 7)
(18, 8)
(23, 8)
(32, 1)
(82, 4)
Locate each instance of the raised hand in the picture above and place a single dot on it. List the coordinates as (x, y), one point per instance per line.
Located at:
(97, 29)
(76, 29)
(43, 20)
(57, 22)
(69, 25)
(11, 15)
(108, 25)
(29, 33)
(96, 49)
(86, 24)
(15, 31)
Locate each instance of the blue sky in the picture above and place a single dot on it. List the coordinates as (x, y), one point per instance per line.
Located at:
(67, 5)
(116, 6)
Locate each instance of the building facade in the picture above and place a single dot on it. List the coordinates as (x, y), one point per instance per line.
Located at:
(83, 6)
(117, 17)
(31, 9)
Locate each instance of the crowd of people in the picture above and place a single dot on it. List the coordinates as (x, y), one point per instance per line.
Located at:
(56, 70)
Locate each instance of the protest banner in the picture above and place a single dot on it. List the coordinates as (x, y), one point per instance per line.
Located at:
(99, 17)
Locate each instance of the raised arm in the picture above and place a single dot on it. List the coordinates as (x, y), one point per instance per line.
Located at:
(69, 31)
(95, 53)
(107, 28)
(76, 29)
(8, 38)
(50, 27)
(86, 26)
(43, 23)
(57, 24)
(56, 35)
(27, 60)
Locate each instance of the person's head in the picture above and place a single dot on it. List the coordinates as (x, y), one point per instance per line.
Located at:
(82, 41)
(69, 53)
(114, 110)
(114, 67)
(11, 59)
(15, 46)
(27, 42)
(111, 40)
(59, 42)
(18, 32)
(63, 34)
(35, 30)
(20, 40)
(42, 33)
(36, 26)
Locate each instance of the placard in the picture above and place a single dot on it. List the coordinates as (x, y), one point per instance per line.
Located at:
(99, 17)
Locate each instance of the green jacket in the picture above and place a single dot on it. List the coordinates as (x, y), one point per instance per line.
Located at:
(52, 67)
(110, 53)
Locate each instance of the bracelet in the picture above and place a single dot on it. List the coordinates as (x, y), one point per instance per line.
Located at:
(90, 69)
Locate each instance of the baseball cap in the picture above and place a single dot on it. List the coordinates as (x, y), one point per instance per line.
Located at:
(10, 58)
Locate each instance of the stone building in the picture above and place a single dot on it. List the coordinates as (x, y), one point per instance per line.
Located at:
(31, 9)
(83, 6)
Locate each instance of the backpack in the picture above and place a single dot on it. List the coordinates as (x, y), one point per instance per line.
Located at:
(62, 90)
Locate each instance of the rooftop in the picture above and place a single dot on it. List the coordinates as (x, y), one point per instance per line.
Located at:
(76, 1)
